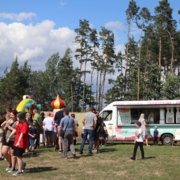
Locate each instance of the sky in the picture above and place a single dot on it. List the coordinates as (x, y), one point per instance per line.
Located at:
(35, 29)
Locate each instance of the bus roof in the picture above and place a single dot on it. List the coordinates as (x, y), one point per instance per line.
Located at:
(150, 103)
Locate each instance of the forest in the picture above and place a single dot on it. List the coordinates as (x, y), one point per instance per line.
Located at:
(149, 67)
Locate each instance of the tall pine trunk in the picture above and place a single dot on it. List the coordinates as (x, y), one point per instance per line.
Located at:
(84, 86)
(160, 57)
(97, 83)
(138, 91)
(92, 72)
(91, 81)
(72, 97)
(100, 95)
(172, 53)
(139, 61)
(102, 89)
(127, 48)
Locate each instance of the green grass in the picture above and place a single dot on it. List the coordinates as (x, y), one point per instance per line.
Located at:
(112, 163)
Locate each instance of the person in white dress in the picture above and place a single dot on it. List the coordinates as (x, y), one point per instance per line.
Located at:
(143, 127)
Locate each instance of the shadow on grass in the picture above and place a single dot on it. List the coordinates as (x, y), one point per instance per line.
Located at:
(30, 155)
(40, 169)
(77, 157)
(150, 157)
(105, 150)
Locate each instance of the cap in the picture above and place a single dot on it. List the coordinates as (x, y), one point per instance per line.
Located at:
(73, 115)
(155, 127)
(138, 123)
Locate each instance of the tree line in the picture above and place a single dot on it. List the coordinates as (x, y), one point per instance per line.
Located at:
(149, 67)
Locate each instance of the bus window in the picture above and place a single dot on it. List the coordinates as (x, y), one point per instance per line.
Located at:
(124, 116)
(152, 115)
(107, 115)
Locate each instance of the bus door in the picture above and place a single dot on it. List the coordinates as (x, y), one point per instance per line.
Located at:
(107, 115)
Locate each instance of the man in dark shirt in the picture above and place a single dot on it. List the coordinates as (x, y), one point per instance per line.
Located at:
(58, 116)
(97, 133)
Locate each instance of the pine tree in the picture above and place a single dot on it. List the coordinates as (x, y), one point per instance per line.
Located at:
(94, 59)
(165, 27)
(83, 52)
(107, 39)
(131, 15)
(144, 16)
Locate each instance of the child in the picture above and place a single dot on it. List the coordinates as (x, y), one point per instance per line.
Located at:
(76, 133)
(32, 136)
(20, 143)
(103, 134)
(138, 141)
(156, 133)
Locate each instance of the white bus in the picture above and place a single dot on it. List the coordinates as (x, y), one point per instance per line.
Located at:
(120, 116)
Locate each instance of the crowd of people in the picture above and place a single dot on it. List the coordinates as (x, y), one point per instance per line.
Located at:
(20, 133)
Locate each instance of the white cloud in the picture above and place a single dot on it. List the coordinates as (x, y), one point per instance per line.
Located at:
(62, 4)
(119, 48)
(35, 43)
(115, 24)
(17, 17)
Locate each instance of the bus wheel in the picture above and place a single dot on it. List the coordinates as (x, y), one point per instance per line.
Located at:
(167, 139)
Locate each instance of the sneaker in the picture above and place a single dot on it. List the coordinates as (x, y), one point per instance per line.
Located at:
(63, 157)
(81, 152)
(132, 158)
(17, 173)
(11, 170)
(90, 153)
(23, 167)
(60, 151)
(9, 167)
(34, 153)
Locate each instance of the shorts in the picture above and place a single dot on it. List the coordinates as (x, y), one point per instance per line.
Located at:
(18, 152)
(49, 134)
(59, 137)
(31, 142)
(10, 143)
(76, 134)
(96, 136)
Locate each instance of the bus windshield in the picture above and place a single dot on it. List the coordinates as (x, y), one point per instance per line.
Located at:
(130, 115)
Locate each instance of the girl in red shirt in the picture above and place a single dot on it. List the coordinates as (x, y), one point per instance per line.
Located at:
(21, 140)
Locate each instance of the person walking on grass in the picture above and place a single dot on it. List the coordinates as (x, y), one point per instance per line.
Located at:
(32, 136)
(7, 148)
(76, 133)
(2, 119)
(68, 125)
(58, 116)
(20, 142)
(38, 121)
(138, 141)
(144, 129)
(89, 122)
(97, 133)
(48, 127)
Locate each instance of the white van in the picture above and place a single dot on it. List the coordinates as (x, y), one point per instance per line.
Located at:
(120, 116)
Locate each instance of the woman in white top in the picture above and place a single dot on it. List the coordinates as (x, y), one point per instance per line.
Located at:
(144, 129)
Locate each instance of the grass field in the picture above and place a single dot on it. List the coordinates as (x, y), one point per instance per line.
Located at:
(112, 163)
